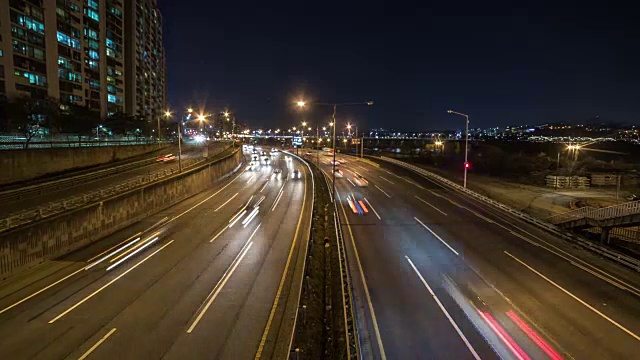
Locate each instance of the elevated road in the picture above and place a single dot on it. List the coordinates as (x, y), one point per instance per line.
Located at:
(439, 275)
(203, 279)
(33, 196)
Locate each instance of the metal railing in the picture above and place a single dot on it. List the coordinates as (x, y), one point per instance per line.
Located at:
(56, 207)
(603, 251)
(13, 142)
(609, 212)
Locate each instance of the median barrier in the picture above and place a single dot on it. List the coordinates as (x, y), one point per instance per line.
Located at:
(52, 237)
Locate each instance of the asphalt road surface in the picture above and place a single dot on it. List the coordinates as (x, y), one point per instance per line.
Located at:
(197, 281)
(439, 275)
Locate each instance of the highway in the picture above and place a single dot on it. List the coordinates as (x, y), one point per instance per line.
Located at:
(33, 199)
(439, 275)
(202, 279)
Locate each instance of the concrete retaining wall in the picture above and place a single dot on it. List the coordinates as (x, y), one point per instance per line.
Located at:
(21, 165)
(48, 239)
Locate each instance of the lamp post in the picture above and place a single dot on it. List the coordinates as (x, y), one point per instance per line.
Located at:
(334, 125)
(466, 145)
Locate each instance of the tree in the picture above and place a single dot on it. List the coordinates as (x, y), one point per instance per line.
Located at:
(79, 119)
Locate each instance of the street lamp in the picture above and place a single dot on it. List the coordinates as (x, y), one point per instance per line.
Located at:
(466, 145)
(335, 105)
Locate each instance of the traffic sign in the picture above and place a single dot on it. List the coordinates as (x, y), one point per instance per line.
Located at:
(297, 140)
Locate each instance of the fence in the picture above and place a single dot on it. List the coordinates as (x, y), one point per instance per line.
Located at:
(56, 207)
(9, 142)
(609, 212)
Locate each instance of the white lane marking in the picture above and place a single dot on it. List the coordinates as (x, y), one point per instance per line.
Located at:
(112, 254)
(390, 173)
(387, 180)
(95, 346)
(613, 322)
(413, 183)
(237, 217)
(374, 210)
(351, 182)
(482, 217)
(218, 234)
(40, 291)
(250, 217)
(438, 195)
(277, 200)
(133, 253)
(428, 203)
(366, 288)
(251, 178)
(604, 275)
(276, 300)
(616, 284)
(446, 313)
(436, 235)
(265, 185)
(122, 242)
(107, 284)
(221, 283)
(205, 200)
(225, 203)
(384, 192)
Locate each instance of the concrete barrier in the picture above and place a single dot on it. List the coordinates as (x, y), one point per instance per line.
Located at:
(50, 238)
(22, 165)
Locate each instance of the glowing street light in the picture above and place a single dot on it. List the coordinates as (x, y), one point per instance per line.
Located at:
(190, 110)
(466, 145)
(302, 103)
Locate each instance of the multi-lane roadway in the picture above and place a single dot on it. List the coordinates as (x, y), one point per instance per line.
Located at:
(213, 277)
(437, 274)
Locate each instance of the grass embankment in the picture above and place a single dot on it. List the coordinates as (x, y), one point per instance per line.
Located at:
(320, 332)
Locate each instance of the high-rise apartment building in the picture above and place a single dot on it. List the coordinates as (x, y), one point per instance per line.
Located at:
(145, 59)
(75, 51)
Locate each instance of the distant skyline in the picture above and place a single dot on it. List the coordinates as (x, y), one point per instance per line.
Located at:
(528, 65)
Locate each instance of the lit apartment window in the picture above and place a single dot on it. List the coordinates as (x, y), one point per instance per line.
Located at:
(67, 40)
(92, 4)
(90, 33)
(92, 14)
(34, 79)
(94, 54)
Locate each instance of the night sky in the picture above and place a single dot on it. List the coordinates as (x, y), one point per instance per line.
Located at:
(502, 65)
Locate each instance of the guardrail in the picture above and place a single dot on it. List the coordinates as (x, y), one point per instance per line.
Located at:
(613, 255)
(350, 316)
(55, 207)
(350, 321)
(20, 142)
(609, 212)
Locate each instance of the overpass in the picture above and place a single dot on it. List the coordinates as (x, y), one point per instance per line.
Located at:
(617, 216)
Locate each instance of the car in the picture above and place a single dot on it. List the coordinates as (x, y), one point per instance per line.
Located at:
(253, 166)
(342, 161)
(287, 158)
(339, 173)
(265, 160)
(360, 181)
(274, 150)
(277, 173)
(166, 158)
(296, 174)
